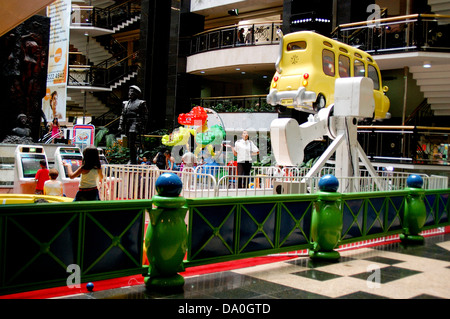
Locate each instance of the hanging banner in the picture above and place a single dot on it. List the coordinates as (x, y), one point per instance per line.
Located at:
(54, 103)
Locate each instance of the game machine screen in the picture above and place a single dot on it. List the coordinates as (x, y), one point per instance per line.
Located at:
(72, 156)
(27, 163)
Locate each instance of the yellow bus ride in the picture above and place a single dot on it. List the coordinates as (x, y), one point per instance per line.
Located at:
(307, 67)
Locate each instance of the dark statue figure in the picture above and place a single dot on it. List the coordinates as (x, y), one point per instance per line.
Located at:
(23, 74)
(133, 120)
(21, 134)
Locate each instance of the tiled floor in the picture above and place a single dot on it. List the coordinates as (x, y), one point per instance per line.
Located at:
(391, 271)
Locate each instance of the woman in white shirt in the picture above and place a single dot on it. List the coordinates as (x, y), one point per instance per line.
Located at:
(244, 149)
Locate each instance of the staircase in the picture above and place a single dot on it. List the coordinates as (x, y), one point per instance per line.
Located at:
(123, 80)
(94, 107)
(126, 23)
(440, 6)
(124, 15)
(92, 49)
(434, 82)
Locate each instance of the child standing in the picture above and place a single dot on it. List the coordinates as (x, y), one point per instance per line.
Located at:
(170, 161)
(53, 187)
(41, 177)
(91, 173)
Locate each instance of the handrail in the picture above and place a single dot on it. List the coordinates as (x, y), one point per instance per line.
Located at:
(232, 103)
(414, 32)
(115, 6)
(404, 127)
(384, 127)
(126, 58)
(86, 66)
(108, 124)
(397, 18)
(108, 14)
(102, 74)
(263, 33)
(369, 22)
(236, 26)
(230, 97)
(417, 110)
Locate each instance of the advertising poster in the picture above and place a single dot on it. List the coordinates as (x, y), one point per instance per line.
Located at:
(83, 135)
(54, 103)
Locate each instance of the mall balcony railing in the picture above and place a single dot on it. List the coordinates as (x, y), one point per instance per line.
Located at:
(406, 144)
(242, 103)
(227, 37)
(107, 18)
(415, 32)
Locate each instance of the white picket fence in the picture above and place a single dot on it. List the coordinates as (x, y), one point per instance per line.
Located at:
(124, 182)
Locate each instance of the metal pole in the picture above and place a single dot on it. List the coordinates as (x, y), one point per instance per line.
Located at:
(84, 108)
(405, 95)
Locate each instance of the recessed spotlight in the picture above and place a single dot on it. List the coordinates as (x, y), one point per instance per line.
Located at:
(427, 64)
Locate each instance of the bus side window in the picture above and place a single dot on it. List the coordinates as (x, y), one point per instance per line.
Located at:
(328, 62)
(373, 74)
(359, 69)
(298, 45)
(344, 66)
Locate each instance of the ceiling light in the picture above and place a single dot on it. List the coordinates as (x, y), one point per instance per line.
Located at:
(427, 64)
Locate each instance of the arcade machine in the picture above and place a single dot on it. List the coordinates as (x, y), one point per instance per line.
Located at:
(27, 158)
(73, 156)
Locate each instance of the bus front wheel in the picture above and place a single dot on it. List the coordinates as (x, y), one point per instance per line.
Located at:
(320, 102)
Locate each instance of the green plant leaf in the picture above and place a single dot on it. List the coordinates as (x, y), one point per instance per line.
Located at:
(101, 132)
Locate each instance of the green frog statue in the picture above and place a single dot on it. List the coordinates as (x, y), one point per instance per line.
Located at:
(415, 211)
(166, 237)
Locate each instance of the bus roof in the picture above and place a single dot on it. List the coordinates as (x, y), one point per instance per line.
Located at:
(309, 36)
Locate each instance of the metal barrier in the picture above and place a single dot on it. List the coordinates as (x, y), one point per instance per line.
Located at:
(242, 227)
(41, 242)
(138, 181)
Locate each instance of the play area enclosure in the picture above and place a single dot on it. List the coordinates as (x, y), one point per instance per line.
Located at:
(106, 239)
